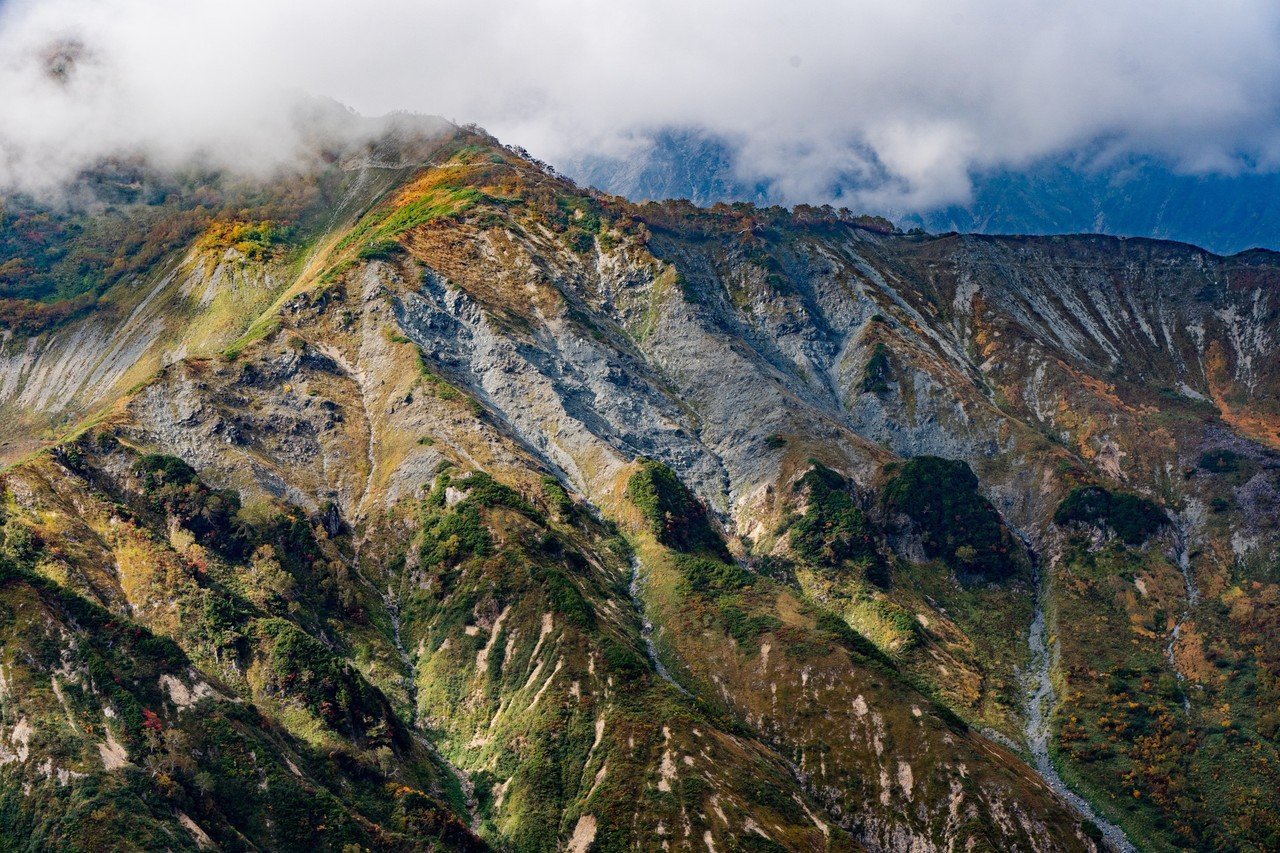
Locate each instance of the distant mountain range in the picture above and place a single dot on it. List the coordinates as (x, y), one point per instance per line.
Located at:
(1066, 195)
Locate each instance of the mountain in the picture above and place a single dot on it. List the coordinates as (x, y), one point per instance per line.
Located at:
(1069, 194)
(1224, 214)
(421, 499)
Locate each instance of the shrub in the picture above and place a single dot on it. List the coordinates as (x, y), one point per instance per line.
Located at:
(956, 523)
(1133, 518)
(673, 513)
(834, 530)
(580, 241)
(620, 659)
(487, 492)
(173, 488)
(746, 628)
(380, 250)
(19, 544)
(451, 534)
(875, 376)
(1220, 462)
(302, 667)
(854, 642)
(567, 600)
(158, 470)
(707, 575)
(557, 499)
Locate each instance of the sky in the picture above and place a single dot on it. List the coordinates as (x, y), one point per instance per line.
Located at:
(904, 100)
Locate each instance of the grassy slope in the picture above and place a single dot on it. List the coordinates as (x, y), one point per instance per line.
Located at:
(237, 603)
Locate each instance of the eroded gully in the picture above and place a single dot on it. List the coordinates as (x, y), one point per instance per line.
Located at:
(1041, 700)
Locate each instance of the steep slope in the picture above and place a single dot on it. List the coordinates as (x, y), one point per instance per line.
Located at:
(1138, 196)
(138, 268)
(614, 525)
(114, 740)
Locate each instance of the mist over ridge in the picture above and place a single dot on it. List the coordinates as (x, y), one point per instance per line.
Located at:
(884, 107)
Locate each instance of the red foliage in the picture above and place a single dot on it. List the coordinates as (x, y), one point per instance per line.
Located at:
(151, 720)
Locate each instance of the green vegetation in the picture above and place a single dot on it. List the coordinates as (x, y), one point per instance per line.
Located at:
(493, 629)
(622, 659)
(745, 628)
(58, 263)
(1199, 780)
(1220, 462)
(303, 669)
(876, 375)
(567, 600)
(237, 774)
(380, 250)
(450, 534)
(839, 566)
(860, 646)
(556, 498)
(710, 576)
(834, 532)
(280, 551)
(580, 241)
(52, 255)
(431, 197)
(1231, 470)
(487, 621)
(19, 546)
(420, 211)
(674, 515)
(175, 491)
(956, 523)
(255, 240)
(262, 328)
(437, 384)
(1133, 518)
(578, 211)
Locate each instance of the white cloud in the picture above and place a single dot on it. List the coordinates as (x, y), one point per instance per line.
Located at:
(903, 97)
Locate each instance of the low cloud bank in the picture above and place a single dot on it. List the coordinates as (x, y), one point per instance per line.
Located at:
(898, 103)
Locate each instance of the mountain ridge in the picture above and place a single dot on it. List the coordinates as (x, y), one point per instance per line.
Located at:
(1075, 192)
(435, 419)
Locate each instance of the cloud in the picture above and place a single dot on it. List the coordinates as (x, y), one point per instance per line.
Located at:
(899, 100)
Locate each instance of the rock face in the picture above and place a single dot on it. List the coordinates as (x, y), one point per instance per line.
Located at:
(503, 513)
